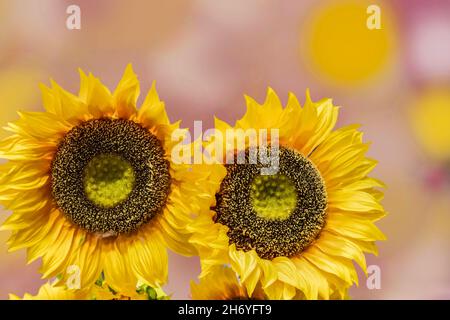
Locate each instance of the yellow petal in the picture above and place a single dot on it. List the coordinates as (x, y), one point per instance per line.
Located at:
(272, 104)
(252, 280)
(96, 96)
(323, 124)
(244, 263)
(336, 141)
(270, 274)
(126, 94)
(42, 125)
(69, 107)
(348, 200)
(117, 264)
(317, 283)
(55, 259)
(342, 247)
(355, 228)
(149, 259)
(86, 254)
(345, 162)
(251, 117)
(288, 273)
(366, 246)
(152, 111)
(340, 267)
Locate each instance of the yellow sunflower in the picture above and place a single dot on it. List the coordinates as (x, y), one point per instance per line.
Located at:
(90, 184)
(222, 283)
(300, 228)
(101, 291)
(50, 291)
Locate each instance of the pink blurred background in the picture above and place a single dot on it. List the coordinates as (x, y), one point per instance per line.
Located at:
(205, 55)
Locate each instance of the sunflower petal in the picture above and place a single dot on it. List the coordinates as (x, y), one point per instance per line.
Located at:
(115, 262)
(96, 96)
(340, 246)
(149, 259)
(359, 229)
(152, 111)
(244, 263)
(337, 266)
(126, 94)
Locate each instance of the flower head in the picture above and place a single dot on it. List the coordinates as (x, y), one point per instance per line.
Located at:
(296, 231)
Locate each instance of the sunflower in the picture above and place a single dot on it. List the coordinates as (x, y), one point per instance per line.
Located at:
(222, 283)
(90, 184)
(49, 291)
(301, 228)
(101, 291)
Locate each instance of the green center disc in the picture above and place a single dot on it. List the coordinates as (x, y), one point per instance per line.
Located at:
(273, 196)
(108, 180)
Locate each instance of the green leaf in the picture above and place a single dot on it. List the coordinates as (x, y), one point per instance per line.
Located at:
(151, 293)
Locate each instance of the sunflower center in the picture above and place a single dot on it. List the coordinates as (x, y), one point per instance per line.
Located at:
(273, 197)
(110, 176)
(277, 215)
(108, 180)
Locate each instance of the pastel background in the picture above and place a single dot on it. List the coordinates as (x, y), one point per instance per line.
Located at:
(205, 55)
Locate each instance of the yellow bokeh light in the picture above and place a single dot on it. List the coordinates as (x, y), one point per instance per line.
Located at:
(431, 122)
(340, 46)
(18, 91)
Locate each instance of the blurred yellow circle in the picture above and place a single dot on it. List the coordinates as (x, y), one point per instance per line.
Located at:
(19, 90)
(431, 122)
(341, 47)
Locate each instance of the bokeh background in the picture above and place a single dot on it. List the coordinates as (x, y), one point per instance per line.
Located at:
(205, 55)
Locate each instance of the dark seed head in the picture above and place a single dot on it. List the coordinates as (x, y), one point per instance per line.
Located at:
(109, 176)
(247, 203)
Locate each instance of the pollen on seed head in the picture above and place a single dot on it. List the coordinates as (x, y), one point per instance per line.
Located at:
(273, 196)
(277, 215)
(108, 180)
(109, 176)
